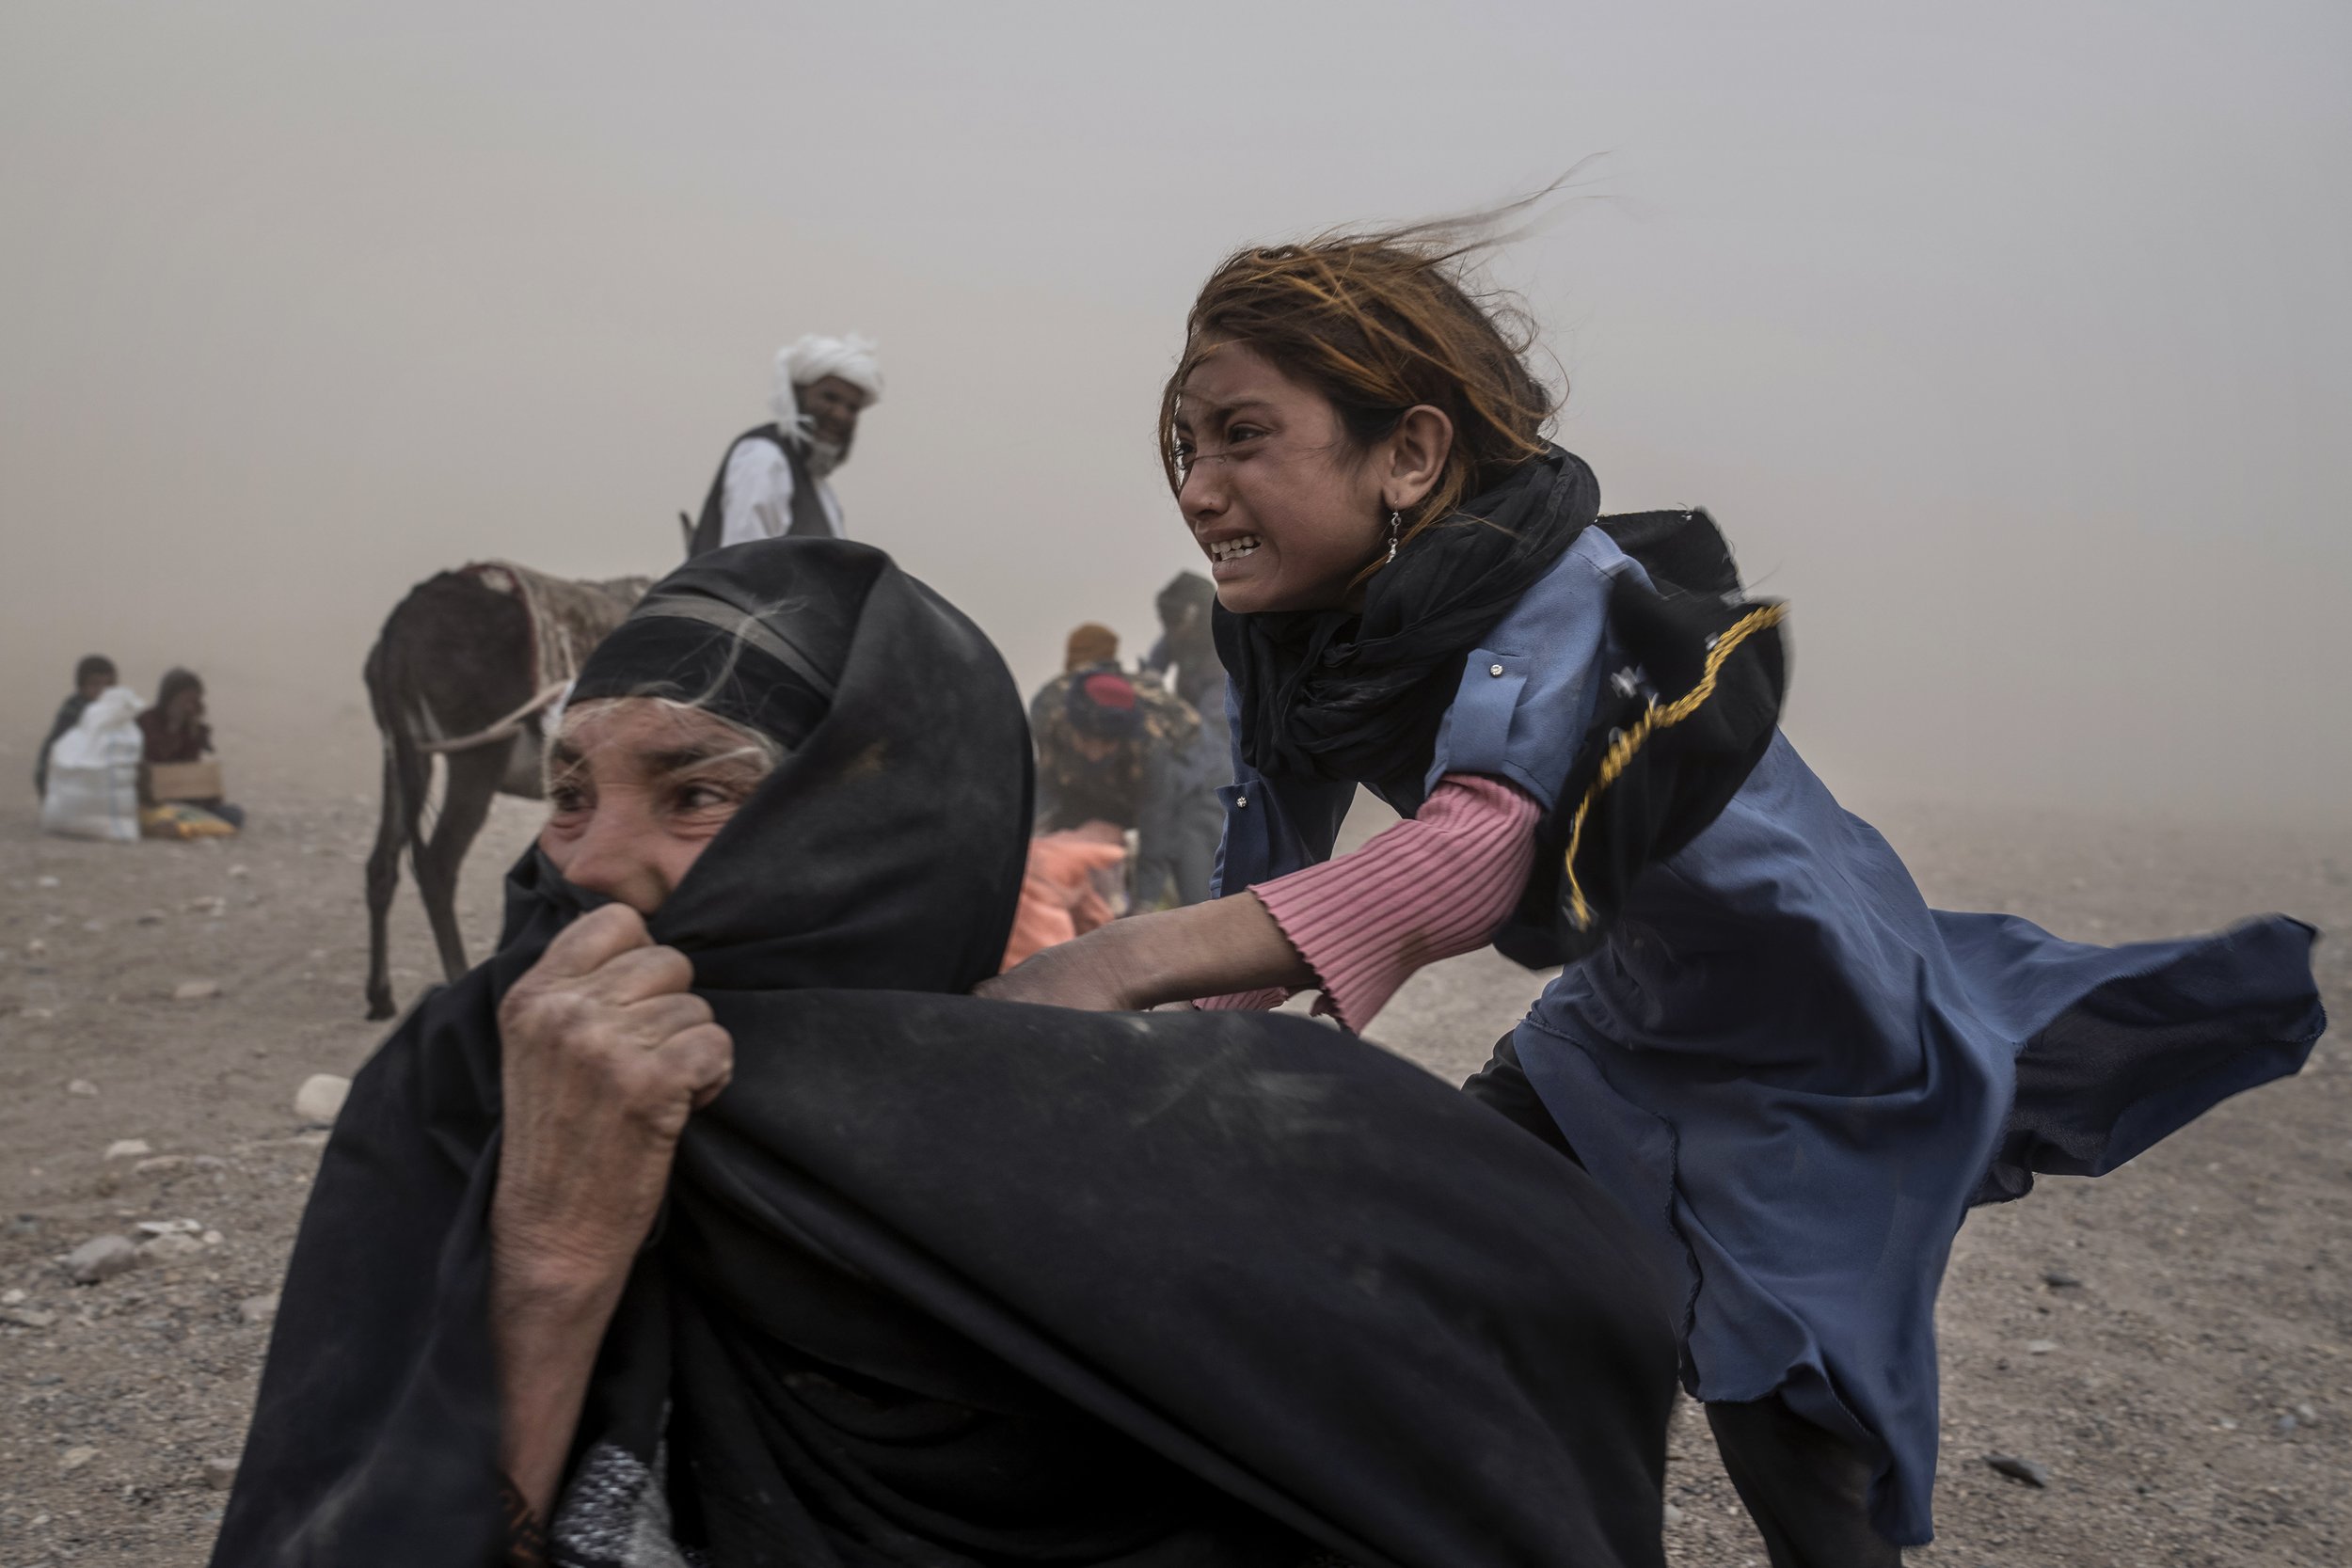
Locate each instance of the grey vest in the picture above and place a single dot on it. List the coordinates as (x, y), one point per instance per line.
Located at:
(809, 521)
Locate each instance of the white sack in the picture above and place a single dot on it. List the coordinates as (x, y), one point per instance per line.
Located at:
(94, 772)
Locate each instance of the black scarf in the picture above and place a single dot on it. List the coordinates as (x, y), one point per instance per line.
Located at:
(1333, 694)
(1358, 695)
(951, 1283)
(736, 632)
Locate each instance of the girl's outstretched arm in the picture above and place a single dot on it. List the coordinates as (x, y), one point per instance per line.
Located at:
(1225, 945)
(1356, 927)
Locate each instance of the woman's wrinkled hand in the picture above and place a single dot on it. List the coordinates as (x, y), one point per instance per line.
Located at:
(605, 1053)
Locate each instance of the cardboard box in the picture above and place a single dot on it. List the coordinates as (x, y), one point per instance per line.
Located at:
(185, 781)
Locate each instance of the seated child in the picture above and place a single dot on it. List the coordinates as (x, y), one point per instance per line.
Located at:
(176, 732)
(93, 675)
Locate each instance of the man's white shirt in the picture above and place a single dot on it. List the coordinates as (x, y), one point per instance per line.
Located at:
(755, 497)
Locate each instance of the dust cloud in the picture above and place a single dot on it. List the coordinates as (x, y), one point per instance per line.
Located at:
(2011, 343)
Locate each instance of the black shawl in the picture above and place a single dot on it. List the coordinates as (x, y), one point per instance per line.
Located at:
(1359, 694)
(950, 1282)
(1677, 727)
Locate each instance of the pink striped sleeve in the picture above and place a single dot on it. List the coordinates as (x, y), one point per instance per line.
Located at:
(1426, 889)
(1247, 1001)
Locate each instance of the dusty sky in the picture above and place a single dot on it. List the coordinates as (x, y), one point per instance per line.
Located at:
(2013, 346)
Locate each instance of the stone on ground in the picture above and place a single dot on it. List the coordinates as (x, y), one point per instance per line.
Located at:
(321, 1097)
(2019, 1469)
(101, 1258)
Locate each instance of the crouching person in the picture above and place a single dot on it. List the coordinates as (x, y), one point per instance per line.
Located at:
(179, 769)
(708, 1222)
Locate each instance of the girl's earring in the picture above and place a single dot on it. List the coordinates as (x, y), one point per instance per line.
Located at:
(1396, 523)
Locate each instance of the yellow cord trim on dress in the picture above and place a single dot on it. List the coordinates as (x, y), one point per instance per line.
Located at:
(1660, 716)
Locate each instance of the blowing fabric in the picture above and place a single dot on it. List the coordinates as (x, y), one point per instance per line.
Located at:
(947, 1282)
(1804, 1076)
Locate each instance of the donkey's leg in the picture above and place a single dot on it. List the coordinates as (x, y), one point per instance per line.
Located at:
(407, 772)
(471, 781)
(393, 829)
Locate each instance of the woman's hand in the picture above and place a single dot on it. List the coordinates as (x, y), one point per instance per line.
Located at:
(605, 1053)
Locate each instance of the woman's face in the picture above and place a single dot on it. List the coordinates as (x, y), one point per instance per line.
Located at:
(636, 789)
(186, 707)
(1285, 507)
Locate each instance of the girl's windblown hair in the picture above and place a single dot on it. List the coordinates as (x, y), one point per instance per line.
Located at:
(1381, 320)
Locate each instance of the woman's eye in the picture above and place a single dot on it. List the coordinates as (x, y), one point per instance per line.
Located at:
(565, 799)
(704, 797)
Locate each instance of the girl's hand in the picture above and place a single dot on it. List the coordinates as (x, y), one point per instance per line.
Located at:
(1085, 974)
(1212, 949)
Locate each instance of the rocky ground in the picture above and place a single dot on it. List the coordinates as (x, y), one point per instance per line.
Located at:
(2169, 1347)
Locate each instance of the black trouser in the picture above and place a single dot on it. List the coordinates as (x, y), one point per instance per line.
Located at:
(1807, 1490)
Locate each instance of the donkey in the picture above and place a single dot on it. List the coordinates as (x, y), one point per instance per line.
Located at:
(466, 668)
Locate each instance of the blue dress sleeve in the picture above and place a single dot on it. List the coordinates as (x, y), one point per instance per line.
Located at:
(1527, 696)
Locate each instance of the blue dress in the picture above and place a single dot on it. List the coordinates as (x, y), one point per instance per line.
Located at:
(1798, 1076)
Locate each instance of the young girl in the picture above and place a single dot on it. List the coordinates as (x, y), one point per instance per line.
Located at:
(1785, 1065)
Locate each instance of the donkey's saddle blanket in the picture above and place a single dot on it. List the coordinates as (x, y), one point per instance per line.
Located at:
(567, 618)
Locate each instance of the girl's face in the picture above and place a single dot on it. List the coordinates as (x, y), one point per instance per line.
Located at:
(636, 789)
(1285, 507)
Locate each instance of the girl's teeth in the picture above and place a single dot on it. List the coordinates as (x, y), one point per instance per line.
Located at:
(1231, 549)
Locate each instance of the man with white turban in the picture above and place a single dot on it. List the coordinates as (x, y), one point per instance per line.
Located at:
(772, 483)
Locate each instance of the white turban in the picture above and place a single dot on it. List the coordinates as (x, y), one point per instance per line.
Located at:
(854, 359)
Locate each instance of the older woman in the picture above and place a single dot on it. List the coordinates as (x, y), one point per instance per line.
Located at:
(636, 1231)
